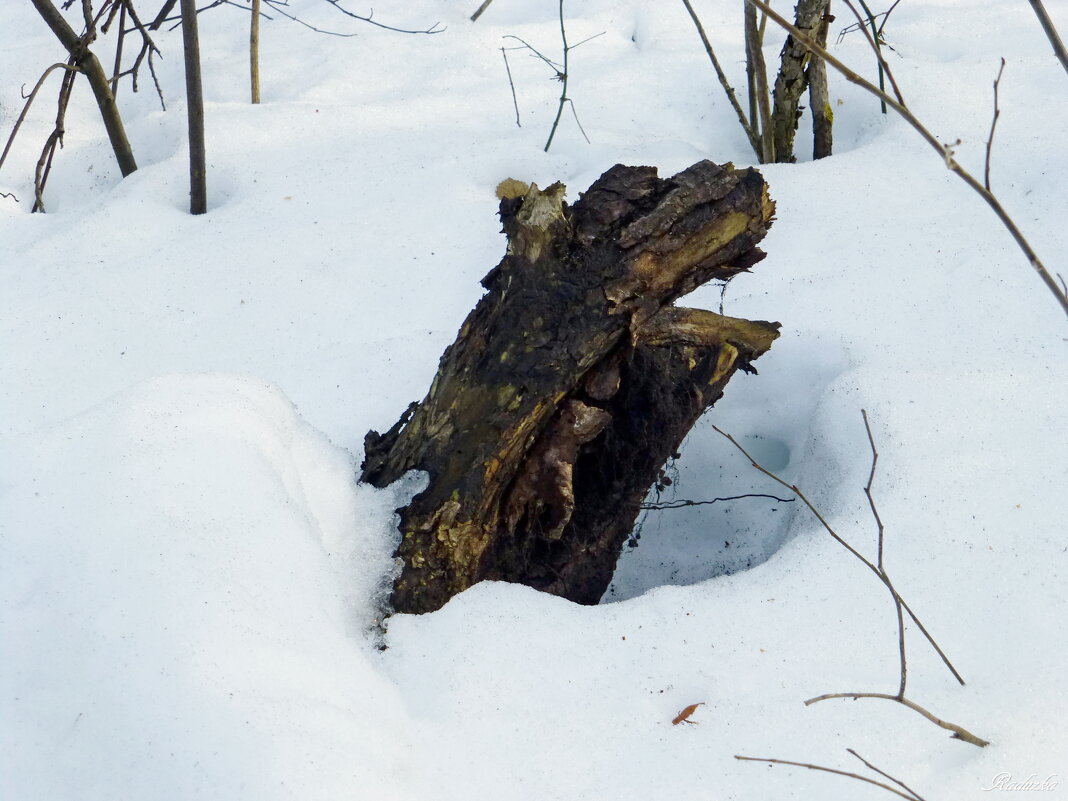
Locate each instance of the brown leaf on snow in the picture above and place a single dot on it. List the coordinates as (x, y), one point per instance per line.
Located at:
(684, 715)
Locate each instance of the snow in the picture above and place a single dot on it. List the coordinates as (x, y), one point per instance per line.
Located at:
(192, 582)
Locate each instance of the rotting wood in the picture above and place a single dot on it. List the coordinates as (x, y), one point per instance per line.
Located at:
(572, 381)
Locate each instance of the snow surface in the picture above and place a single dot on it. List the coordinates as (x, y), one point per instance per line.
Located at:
(191, 580)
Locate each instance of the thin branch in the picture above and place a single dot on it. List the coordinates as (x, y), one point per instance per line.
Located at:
(886, 16)
(941, 149)
(754, 140)
(837, 538)
(508, 69)
(882, 569)
(993, 125)
(1051, 32)
(810, 766)
(871, 479)
(53, 142)
(10, 195)
(682, 504)
(555, 67)
(878, 44)
(578, 122)
(481, 8)
(759, 94)
(118, 48)
(875, 44)
(884, 774)
(370, 19)
(29, 102)
(163, 14)
(959, 733)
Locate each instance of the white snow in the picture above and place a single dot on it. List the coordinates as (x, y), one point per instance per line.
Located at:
(191, 580)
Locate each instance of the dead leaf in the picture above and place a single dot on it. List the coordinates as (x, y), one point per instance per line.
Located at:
(684, 715)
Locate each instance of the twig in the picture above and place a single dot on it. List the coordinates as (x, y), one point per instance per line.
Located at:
(10, 195)
(882, 569)
(280, 6)
(508, 69)
(959, 733)
(578, 122)
(837, 538)
(857, 776)
(993, 125)
(29, 101)
(118, 48)
(877, 33)
(1051, 32)
(563, 80)
(562, 76)
(886, 775)
(754, 140)
(370, 19)
(681, 504)
(54, 140)
(525, 45)
(874, 42)
(481, 8)
(941, 149)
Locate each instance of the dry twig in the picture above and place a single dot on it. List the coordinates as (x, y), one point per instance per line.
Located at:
(754, 139)
(1051, 32)
(993, 126)
(943, 150)
(911, 796)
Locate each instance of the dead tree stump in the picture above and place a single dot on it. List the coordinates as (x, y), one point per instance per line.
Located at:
(572, 381)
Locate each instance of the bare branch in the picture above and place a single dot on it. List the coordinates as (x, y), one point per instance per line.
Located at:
(993, 126)
(481, 8)
(29, 102)
(1051, 32)
(681, 504)
(754, 140)
(837, 538)
(857, 776)
(941, 149)
(959, 733)
(883, 773)
(511, 84)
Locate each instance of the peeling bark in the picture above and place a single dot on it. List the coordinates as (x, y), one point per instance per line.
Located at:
(572, 381)
(792, 79)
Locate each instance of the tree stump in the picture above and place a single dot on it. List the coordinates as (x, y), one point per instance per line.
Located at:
(572, 381)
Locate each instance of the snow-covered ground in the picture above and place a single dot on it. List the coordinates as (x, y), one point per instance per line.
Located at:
(191, 580)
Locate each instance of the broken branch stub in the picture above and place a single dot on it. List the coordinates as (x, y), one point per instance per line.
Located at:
(572, 381)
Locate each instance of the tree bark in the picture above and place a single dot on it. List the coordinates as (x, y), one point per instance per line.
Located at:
(194, 91)
(84, 59)
(254, 51)
(572, 381)
(792, 79)
(819, 98)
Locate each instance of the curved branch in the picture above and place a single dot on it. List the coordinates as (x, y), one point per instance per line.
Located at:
(959, 732)
(29, 101)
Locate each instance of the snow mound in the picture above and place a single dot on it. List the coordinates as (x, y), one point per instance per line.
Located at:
(182, 602)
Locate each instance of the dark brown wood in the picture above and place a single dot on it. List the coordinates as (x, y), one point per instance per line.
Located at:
(572, 381)
(88, 64)
(194, 99)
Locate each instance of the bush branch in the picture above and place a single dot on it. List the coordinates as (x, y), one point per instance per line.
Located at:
(943, 150)
(959, 732)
